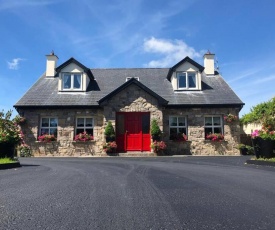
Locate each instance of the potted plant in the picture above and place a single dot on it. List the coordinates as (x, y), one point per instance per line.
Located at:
(83, 137)
(110, 147)
(158, 147)
(243, 149)
(155, 130)
(109, 132)
(230, 118)
(215, 137)
(46, 138)
(25, 150)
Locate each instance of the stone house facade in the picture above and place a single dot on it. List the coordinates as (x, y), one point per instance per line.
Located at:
(185, 99)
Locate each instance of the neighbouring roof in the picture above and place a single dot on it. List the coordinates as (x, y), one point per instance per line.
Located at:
(106, 82)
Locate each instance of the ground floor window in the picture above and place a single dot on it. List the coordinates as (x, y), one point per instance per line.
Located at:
(84, 124)
(177, 127)
(212, 124)
(48, 126)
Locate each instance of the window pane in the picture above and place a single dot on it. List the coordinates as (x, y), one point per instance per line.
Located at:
(208, 130)
(181, 80)
(53, 122)
(192, 80)
(173, 121)
(208, 120)
(45, 122)
(89, 122)
(44, 131)
(217, 130)
(79, 131)
(146, 123)
(173, 133)
(182, 130)
(80, 122)
(53, 131)
(181, 121)
(217, 120)
(67, 81)
(89, 131)
(77, 81)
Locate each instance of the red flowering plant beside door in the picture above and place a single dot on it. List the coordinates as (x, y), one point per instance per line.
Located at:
(158, 146)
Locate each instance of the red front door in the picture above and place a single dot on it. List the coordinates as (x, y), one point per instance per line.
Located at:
(133, 131)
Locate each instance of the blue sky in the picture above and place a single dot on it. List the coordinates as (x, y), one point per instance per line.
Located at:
(139, 33)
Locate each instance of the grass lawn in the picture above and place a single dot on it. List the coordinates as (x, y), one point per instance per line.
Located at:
(7, 160)
(264, 159)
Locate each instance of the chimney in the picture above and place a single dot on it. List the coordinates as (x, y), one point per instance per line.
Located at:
(51, 64)
(209, 63)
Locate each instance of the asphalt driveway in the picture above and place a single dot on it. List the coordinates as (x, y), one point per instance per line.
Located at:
(137, 193)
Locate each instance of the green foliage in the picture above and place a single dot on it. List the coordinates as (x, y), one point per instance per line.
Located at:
(7, 160)
(109, 130)
(155, 130)
(9, 131)
(263, 113)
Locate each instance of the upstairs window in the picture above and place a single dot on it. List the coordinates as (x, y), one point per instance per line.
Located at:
(187, 80)
(72, 81)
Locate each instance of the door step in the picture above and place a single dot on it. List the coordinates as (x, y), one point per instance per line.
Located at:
(137, 154)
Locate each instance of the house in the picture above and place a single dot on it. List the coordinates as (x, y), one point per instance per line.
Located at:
(187, 98)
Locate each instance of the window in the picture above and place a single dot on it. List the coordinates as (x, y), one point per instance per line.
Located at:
(85, 124)
(212, 124)
(48, 126)
(72, 81)
(129, 78)
(178, 127)
(187, 80)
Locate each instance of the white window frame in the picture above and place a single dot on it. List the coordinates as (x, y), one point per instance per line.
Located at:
(72, 82)
(48, 127)
(213, 126)
(129, 78)
(84, 127)
(178, 126)
(187, 80)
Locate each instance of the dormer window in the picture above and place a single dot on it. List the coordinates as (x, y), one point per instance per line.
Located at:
(187, 80)
(72, 81)
(129, 78)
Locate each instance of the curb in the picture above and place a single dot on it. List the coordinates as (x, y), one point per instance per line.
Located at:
(10, 165)
(257, 162)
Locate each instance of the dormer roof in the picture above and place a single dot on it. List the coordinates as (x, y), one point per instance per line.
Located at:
(186, 59)
(74, 61)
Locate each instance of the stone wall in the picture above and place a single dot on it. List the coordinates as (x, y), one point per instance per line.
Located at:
(196, 144)
(65, 145)
(131, 99)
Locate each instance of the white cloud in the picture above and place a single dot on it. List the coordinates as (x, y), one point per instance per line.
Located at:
(14, 64)
(173, 51)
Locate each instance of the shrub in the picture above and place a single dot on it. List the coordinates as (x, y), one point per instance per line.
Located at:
(155, 130)
(109, 132)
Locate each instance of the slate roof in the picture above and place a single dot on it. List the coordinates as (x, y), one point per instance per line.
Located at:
(215, 91)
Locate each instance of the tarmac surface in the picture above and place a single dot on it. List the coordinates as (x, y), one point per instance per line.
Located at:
(137, 193)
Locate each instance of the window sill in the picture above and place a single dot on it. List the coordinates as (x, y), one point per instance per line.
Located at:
(83, 142)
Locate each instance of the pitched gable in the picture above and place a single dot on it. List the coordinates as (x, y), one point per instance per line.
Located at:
(132, 81)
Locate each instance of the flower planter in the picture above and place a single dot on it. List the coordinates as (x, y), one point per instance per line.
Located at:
(266, 147)
(256, 146)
